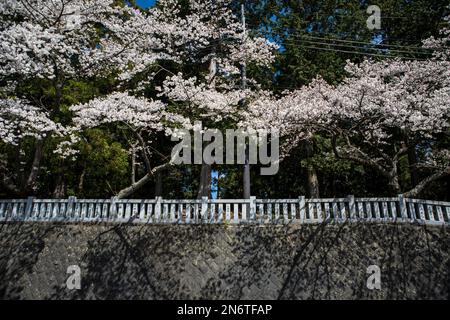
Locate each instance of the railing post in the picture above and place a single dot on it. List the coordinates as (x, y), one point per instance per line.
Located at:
(29, 207)
(252, 208)
(71, 206)
(402, 207)
(204, 212)
(351, 206)
(113, 209)
(158, 209)
(302, 208)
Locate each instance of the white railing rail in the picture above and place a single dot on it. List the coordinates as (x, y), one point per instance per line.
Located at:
(159, 210)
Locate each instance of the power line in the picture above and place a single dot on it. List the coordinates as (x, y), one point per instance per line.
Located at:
(294, 43)
(357, 42)
(314, 44)
(336, 36)
(355, 47)
(360, 53)
(363, 14)
(224, 40)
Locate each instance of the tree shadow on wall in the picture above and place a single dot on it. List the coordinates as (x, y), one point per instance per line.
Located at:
(139, 262)
(20, 246)
(330, 262)
(327, 261)
(268, 261)
(414, 261)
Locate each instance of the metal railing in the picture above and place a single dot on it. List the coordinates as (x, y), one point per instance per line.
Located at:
(158, 210)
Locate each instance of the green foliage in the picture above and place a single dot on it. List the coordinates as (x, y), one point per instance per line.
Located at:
(104, 165)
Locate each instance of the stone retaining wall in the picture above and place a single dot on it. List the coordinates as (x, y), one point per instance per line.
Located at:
(224, 262)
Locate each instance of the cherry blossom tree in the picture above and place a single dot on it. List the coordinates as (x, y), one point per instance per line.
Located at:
(384, 109)
(296, 115)
(71, 39)
(194, 54)
(381, 111)
(441, 50)
(211, 38)
(374, 116)
(58, 41)
(18, 120)
(141, 117)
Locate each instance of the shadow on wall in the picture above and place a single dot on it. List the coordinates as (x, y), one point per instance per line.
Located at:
(224, 262)
(20, 245)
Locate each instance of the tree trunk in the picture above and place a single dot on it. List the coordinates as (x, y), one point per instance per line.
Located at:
(246, 176)
(392, 175)
(218, 185)
(30, 186)
(313, 181)
(60, 188)
(81, 181)
(412, 161)
(158, 184)
(21, 175)
(394, 184)
(204, 189)
(133, 165)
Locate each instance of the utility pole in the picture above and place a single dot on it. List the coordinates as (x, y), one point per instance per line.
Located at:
(244, 65)
(205, 172)
(246, 173)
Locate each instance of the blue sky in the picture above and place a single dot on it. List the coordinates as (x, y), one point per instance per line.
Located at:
(145, 3)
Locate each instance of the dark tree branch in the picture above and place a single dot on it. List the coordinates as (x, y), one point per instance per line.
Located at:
(425, 182)
(141, 182)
